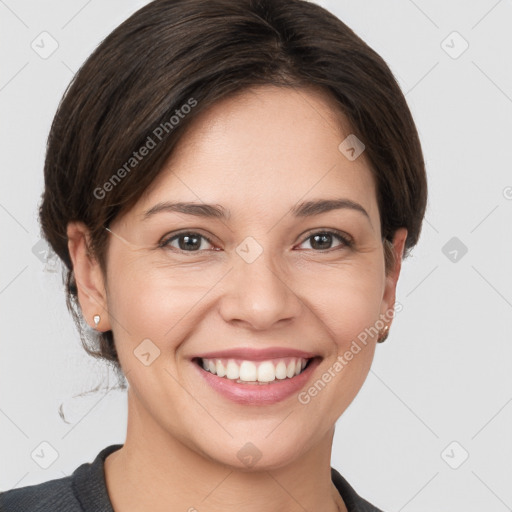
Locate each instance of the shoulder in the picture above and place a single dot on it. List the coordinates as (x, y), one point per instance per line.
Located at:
(83, 491)
(353, 501)
(48, 496)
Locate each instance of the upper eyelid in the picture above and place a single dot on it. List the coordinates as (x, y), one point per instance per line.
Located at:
(335, 232)
(167, 238)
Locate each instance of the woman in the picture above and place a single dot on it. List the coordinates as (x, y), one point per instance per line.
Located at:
(232, 186)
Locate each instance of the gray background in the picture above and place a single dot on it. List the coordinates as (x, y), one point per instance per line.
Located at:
(440, 388)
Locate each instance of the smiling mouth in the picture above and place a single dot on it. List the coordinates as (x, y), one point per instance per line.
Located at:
(263, 372)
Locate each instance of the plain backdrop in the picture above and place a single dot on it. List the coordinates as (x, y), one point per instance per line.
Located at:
(431, 427)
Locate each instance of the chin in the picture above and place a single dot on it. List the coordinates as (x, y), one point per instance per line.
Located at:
(257, 454)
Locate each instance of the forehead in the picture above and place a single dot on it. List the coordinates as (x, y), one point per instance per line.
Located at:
(266, 146)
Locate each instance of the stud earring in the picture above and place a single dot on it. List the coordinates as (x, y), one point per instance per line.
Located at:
(96, 320)
(383, 337)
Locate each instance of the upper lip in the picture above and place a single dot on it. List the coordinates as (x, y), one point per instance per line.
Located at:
(256, 354)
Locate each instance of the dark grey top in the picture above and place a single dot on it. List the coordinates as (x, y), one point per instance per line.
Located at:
(86, 491)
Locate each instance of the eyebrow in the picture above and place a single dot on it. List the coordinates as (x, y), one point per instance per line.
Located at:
(304, 209)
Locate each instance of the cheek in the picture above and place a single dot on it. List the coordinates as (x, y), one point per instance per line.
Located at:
(160, 301)
(346, 299)
(156, 303)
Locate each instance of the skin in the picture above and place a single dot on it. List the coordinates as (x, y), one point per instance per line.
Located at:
(256, 154)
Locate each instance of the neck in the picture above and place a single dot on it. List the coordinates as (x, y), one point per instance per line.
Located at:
(156, 471)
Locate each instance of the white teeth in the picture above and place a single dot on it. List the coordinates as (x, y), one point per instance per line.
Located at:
(221, 370)
(280, 370)
(266, 372)
(248, 371)
(232, 370)
(255, 371)
(290, 370)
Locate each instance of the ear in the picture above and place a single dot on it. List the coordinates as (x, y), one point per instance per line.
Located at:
(389, 297)
(88, 276)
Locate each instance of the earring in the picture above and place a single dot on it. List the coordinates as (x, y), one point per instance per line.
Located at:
(383, 337)
(96, 320)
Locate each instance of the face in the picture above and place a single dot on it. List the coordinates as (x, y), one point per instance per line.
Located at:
(263, 270)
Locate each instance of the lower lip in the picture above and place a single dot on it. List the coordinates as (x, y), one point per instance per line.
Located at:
(259, 394)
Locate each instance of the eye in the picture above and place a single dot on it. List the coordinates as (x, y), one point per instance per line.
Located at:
(322, 240)
(188, 241)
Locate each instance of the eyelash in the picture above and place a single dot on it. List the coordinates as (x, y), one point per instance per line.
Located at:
(347, 241)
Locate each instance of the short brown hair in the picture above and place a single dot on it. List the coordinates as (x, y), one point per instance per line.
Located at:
(172, 52)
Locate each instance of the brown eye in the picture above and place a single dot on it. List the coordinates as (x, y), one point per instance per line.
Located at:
(322, 240)
(187, 242)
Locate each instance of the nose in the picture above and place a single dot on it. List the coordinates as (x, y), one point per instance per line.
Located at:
(259, 295)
